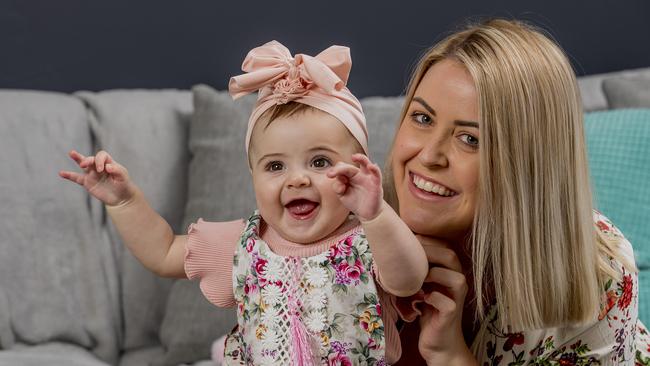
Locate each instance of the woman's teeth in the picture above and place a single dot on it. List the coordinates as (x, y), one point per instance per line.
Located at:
(431, 187)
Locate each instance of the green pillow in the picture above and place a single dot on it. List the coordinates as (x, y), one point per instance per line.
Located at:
(618, 144)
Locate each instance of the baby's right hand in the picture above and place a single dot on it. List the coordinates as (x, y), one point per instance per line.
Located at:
(102, 177)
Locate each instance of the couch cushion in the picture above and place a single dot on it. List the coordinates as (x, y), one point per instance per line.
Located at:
(54, 266)
(6, 334)
(627, 93)
(619, 159)
(382, 119)
(144, 356)
(593, 98)
(141, 356)
(219, 189)
(190, 326)
(220, 185)
(146, 131)
(50, 354)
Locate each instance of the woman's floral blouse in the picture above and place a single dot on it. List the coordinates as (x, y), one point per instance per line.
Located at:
(616, 337)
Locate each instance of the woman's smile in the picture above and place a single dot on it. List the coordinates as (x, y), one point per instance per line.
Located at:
(430, 186)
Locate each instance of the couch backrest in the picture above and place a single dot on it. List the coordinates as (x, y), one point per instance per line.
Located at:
(591, 87)
(57, 279)
(146, 131)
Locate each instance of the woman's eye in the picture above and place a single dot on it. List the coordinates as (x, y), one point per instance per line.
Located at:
(469, 140)
(321, 162)
(421, 118)
(274, 166)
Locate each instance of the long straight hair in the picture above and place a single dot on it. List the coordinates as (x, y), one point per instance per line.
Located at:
(533, 241)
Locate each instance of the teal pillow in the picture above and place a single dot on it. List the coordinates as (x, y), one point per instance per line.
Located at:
(618, 144)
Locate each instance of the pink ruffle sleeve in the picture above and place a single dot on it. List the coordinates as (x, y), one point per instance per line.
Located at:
(405, 308)
(208, 257)
(408, 308)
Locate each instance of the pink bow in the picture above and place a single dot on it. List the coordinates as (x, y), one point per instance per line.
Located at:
(318, 82)
(271, 70)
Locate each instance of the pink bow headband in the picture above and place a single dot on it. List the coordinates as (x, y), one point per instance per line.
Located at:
(316, 81)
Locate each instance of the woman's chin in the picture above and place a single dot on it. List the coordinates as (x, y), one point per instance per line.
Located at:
(420, 224)
(423, 223)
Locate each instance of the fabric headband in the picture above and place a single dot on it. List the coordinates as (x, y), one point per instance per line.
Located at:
(315, 81)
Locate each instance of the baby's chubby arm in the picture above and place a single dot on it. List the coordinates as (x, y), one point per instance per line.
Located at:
(399, 256)
(147, 235)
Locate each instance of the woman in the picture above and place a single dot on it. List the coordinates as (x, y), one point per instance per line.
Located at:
(490, 156)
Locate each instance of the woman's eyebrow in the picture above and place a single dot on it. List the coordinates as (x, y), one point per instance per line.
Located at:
(433, 112)
(466, 123)
(425, 105)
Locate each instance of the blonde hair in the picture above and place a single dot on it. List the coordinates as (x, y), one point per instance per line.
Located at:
(533, 240)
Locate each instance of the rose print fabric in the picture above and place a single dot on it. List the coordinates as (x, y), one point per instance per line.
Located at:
(330, 299)
(616, 337)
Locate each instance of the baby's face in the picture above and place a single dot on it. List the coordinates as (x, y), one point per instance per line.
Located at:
(289, 160)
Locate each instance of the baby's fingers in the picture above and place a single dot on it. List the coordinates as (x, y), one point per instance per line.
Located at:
(72, 176)
(116, 170)
(340, 185)
(87, 162)
(361, 159)
(101, 159)
(77, 157)
(367, 167)
(343, 169)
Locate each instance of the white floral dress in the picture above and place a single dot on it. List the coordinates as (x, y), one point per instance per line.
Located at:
(325, 306)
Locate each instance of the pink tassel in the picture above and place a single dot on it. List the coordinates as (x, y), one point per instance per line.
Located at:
(303, 346)
(305, 351)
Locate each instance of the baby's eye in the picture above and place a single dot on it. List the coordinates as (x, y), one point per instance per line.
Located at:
(321, 162)
(421, 118)
(469, 140)
(274, 166)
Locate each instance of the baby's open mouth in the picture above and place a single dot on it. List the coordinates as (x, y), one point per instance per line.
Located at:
(301, 209)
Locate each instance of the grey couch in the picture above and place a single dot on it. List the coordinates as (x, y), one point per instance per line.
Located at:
(70, 294)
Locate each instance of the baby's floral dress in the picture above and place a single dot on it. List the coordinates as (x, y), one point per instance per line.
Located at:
(328, 303)
(615, 337)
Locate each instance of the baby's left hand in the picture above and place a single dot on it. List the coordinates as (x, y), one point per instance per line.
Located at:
(359, 188)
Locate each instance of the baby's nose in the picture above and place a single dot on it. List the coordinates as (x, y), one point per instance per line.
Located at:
(298, 180)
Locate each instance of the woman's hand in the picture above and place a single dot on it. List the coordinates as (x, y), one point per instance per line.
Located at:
(359, 188)
(441, 340)
(102, 177)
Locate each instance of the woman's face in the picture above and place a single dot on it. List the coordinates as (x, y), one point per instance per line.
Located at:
(435, 159)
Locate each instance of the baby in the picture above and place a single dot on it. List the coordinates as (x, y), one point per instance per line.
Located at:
(303, 270)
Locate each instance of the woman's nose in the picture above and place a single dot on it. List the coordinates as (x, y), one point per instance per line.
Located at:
(435, 151)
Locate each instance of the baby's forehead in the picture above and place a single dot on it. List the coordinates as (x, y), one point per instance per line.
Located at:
(301, 132)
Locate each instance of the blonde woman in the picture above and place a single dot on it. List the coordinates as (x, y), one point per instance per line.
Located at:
(490, 156)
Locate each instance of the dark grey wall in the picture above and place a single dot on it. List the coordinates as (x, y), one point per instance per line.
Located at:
(68, 45)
